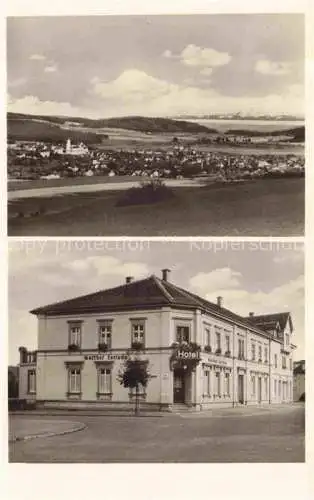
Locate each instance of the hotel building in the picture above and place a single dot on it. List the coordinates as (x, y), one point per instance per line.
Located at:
(83, 342)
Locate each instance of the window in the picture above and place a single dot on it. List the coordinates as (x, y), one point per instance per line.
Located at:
(207, 336)
(218, 341)
(74, 380)
(276, 360)
(279, 388)
(266, 388)
(227, 384)
(207, 383)
(31, 381)
(227, 343)
(218, 388)
(104, 381)
(266, 355)
(253, 385)
(287, 339)
(290, 364)
(253, 349)
(240, 348)
(183, 334)
(275, 388)
(259, 353)
(75, 334)
(138, 333)
(284, 362)
(105, 334)
(141, 392)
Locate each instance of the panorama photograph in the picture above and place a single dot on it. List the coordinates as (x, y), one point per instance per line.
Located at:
(141, 351)
(172, 125)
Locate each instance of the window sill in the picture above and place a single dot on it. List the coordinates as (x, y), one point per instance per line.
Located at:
(104, 396)
(74, 395)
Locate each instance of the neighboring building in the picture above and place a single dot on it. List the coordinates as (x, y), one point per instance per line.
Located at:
(299, 380)
(83, 341)
(13, 382)
(78, 150)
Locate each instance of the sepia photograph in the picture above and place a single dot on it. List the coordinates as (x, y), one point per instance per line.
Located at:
(156, 125)
(157, 352)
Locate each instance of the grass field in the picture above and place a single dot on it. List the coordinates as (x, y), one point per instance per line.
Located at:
(257, 208)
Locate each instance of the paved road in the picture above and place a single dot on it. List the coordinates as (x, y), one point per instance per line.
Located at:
(89, 188)
(250, 435)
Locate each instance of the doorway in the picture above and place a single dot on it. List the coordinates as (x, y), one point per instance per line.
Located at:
(178, 386)
(241, 389)
(259, 390)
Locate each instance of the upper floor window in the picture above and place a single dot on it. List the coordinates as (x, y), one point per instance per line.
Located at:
(105, 333)
(284, 362)
(290, 364)
(207, 336)
(276, 360)
(266, 355)
(183, 334)
(227, 343)
(253, 349)
(138, 333)
(287, 339)
(218, 341)
(259, 353)
(241, 348)
(31, 381)
(75, 333)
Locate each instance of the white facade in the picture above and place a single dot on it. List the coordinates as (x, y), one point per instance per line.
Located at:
(244, 366)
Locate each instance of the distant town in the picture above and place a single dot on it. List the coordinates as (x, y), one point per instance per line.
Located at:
(30, 160)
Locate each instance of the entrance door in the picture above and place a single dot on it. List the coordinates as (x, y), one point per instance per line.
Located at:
(259, 390)
(178, 386)
(241, 389)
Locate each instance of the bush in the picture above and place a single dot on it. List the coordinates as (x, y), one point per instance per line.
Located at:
(153, 191)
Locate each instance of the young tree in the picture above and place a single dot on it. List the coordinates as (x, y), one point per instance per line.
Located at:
(135, 373)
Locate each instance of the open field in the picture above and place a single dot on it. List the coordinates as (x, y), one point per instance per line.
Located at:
(273, 207)
(250, 434)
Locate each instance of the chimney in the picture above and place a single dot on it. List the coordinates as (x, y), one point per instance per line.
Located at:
(128, 279)
(251, 314)
(165, 274)
(219, 301)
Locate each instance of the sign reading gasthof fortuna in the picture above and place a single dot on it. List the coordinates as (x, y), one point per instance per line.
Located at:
(185, 356)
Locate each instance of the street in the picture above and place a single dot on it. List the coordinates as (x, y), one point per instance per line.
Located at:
(252, 434)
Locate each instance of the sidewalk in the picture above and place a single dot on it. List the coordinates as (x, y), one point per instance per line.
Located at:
(22, 429)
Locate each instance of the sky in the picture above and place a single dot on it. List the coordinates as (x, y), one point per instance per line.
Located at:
(102, 66)
(262, 277)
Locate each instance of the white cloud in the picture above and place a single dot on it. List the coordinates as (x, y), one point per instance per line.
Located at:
(32, 105)
(227, 283)
(192, 55)
(107, 265)
(266, 67)
(51, 69)
(222, 278)
(136, 92)
(17, 83)
(168, 54)
(37, 57)
(206, 71)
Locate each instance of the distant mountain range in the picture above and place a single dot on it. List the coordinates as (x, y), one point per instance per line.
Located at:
(56, 128)
(240, 116)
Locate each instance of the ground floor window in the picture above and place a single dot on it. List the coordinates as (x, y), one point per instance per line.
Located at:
(74, 380)
(141, 392)
(218, 387)
(275, 388)
(266, 388)
(279, 388)
(253, 386)
(227, 384)
(31, 381)
(207, 383)
(104, 381)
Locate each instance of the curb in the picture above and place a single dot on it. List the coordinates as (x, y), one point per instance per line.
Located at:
(47, 434)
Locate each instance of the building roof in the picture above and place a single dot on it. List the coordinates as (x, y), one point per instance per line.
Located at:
(150, 292)
(271, 321)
